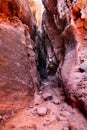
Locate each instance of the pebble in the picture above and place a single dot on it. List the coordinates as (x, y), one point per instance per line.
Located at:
(56, 101)
(37, 100)
(42, 111)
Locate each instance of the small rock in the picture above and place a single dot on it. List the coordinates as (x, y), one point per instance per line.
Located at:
(31, 106)
(42, 111)
(47, 96)
(37, 100)
(56, 101)
(66, 128)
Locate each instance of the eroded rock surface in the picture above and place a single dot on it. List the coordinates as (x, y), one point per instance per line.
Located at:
(65, 24)
(47, 115)
(17, 58)
(52, 59)
(20, 9)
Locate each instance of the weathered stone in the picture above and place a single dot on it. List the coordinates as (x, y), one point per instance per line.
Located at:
(56, 101)
(60, 52)
(15, 80)
(66, 29)
(20, 9)
(42, 111)
(18, 73)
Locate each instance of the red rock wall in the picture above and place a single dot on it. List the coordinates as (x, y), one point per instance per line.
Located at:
(65, 24)
(63, 45)
(20, 9)
(18, 74)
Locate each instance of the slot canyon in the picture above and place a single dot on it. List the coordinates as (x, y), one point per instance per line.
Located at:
(43, 64)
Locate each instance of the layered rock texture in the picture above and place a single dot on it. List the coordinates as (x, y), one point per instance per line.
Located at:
(43, 65)
(17, 58)
(65, 25)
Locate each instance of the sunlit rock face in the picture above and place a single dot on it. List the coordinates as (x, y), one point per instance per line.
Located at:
(65, 24)
(18, 75)
(37, 10)
(19, 9)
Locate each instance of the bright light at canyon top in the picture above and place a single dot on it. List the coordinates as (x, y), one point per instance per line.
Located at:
(37, 10)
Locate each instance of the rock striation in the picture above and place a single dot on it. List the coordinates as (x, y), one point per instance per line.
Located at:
(18, 73)
(65, 25)
(55, 53)
(43, 70)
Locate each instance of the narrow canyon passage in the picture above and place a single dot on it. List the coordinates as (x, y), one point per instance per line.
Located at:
(43, 68)
(48, 111)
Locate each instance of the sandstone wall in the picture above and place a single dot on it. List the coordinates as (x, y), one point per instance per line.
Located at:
(18, 75)
(65, 24)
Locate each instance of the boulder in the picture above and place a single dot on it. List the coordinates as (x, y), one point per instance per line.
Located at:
(18, 73)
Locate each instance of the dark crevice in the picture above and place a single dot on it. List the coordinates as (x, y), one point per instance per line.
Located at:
(76, 14)
(42, 55)
(34, 33)
(71, 1)
(81, 107)
(81, 70)
(47, 64)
